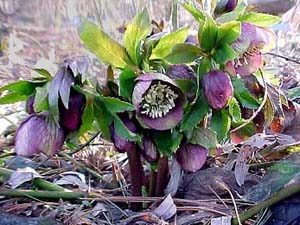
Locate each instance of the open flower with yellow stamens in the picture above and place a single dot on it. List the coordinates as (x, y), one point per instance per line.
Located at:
(158, 101)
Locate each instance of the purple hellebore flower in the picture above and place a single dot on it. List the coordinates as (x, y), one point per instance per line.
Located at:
(149, 150)
(38, 133)
(70, 118)
(217, 89)
(120, 143)
(158, 101)
(191, 157)
(192, 39)
(252, 41)
(224, 6)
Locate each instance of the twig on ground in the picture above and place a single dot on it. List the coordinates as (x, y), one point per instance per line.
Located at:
(86, 144)
(277, 197)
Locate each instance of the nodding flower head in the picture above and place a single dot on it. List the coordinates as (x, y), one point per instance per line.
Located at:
(224, 6)
(158, 101)
(252, 41)
(217, 88)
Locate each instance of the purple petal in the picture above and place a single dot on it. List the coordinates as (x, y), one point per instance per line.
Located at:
(181, 71)
(191, 157)
(78, 65)
(139, 90)
(254, 62)
(65, 87)
(38, 133)
(149, 150)
(54, 86)
(29, 105)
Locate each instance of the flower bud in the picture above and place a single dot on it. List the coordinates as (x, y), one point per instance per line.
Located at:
(191, 157)
(149, 150)
(29, 105)
(224, 6)
(120, 143)
(217, 89)
(38, 133)
(70, 118)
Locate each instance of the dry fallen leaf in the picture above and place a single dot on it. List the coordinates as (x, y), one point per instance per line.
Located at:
(20, 176)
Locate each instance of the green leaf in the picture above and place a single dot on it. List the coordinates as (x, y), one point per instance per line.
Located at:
(43, 72)
(268, 112)
(123, 131)
(196, 13)
(21, 87)
(260, 19)
(294, 93)
(12, 98)
(103, 117)
(209, 34)
(167, 142)
(88, 115)
(166, 43)
(135, 32)
(126, 83)
(203, 68)
(115, 105)
(187, 86)
(242, 94)
(224, 53)
(195, 114)
(106, 49)
(234, 110)
(229, 32)
(183, 53)
(41, 98)
(220, 123)
(204, 137)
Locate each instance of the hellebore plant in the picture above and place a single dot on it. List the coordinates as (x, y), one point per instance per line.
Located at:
(173, 98)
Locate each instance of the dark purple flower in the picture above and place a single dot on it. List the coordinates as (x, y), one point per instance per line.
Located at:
(29, 105)
(70, 118)
(217, 89)
(192, 39)
(191, 157)
(38, 133)
(252, 41)
(149, 150)
(158, 101)
(224, 6)
(120, 143)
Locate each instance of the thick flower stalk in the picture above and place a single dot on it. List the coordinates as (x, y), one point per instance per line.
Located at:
(217, 89)
(158, 101)
(38, 133)
(191, 157)
(249, 45)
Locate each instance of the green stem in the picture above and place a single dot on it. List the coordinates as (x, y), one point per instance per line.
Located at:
(39, 182)
(277, 197)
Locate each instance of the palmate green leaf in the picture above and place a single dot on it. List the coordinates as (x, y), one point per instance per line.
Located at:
(229, 32)
(166, 43)
(167, 142)
(234, 110)
(88, 115)
(21, 87)
(12, 98)
(196, 13)
(224, 53)
(220, 123)
(123, 131)
(195, 114)
(103, 117)
(260, 19)
(242, 94)
(205, 137)
(135, 32)
(115, 105)
(183, 53)
(209, 34)
(126, 83)
(106, 49)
